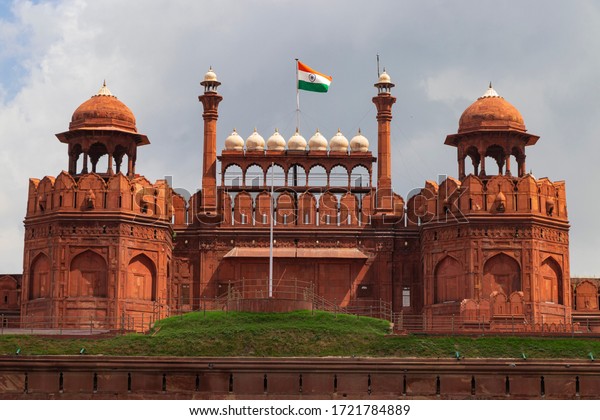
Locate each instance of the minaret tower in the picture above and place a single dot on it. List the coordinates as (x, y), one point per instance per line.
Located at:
(210, 101)
(384, 101)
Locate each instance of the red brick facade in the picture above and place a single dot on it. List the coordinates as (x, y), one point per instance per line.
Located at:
(100, 246)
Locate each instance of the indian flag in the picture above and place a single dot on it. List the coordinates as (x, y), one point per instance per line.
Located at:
(309, 79)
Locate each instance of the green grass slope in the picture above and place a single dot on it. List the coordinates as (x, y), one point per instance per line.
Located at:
(294, 334)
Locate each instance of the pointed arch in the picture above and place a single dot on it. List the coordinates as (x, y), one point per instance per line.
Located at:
(286, 209)
(338, 176)
(263, 209)
(586, 296)
(39, 277)
(233, 176)
(297, 176)
(243, 209)
(348, 210)
(254, 176)
(88, 275)
(328, 209)
(317, 176)
(360, 177)
(307, 209)
(449, 281)
(551, 282)
(502, 274)
(141, 278)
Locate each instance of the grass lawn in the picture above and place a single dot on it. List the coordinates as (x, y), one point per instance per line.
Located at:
(295, 334)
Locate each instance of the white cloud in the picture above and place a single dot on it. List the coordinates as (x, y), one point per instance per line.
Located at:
(441, 56)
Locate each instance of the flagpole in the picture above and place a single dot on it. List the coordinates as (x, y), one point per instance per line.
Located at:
(297, 100)
(271, 234)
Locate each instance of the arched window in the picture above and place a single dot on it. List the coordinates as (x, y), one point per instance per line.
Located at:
(141, 279)
(275, 176)
(449, 281)
(317, 176)
(254, 177)
(502, 274)
(296, 176)
(88, 275)
(232, 176)
(359, 178)
(338, 177)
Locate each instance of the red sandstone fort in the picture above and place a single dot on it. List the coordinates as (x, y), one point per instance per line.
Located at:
(104, 244)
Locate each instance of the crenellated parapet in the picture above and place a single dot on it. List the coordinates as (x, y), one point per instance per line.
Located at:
(498, 196)
(93, 194)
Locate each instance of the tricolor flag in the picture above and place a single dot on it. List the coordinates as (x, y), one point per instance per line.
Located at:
(309, 79)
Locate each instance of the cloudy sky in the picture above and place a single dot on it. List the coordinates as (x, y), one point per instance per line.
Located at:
(542, 56)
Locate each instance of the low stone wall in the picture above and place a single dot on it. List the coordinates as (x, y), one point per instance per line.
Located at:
(96, 377)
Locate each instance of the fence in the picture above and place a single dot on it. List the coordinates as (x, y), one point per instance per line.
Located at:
(301, 291)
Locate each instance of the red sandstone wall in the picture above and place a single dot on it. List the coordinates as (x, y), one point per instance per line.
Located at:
(247, 378)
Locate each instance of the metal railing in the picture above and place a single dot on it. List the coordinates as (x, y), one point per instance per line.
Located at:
(236, 291)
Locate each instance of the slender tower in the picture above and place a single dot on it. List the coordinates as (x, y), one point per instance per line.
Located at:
(210, 101)
(384, 101)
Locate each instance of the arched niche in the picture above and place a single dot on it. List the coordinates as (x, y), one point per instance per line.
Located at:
(286, 209)
(501, 274)
(264, 209)
(307, 209)
(586, 296)
(88, 275)
(551, 282)
(348, 210)
(141, 279)
(39, 277)
(243, 209)
(328, 209)
(449, 281)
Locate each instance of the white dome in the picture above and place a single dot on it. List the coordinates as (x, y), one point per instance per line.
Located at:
(317, 142)
(276, 142)
(210, 76)
(255, 142)
(338, 143)
(297, 142)
(384, 78)
(359, 143)
(234, 142)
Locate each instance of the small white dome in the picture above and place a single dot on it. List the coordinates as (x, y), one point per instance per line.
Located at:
(296, 142)
(317, 142)
(338, 143)
(210, 76)
(255, 142)
(384, 78)
(276, 142)
(359, 143)
(234, 142)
